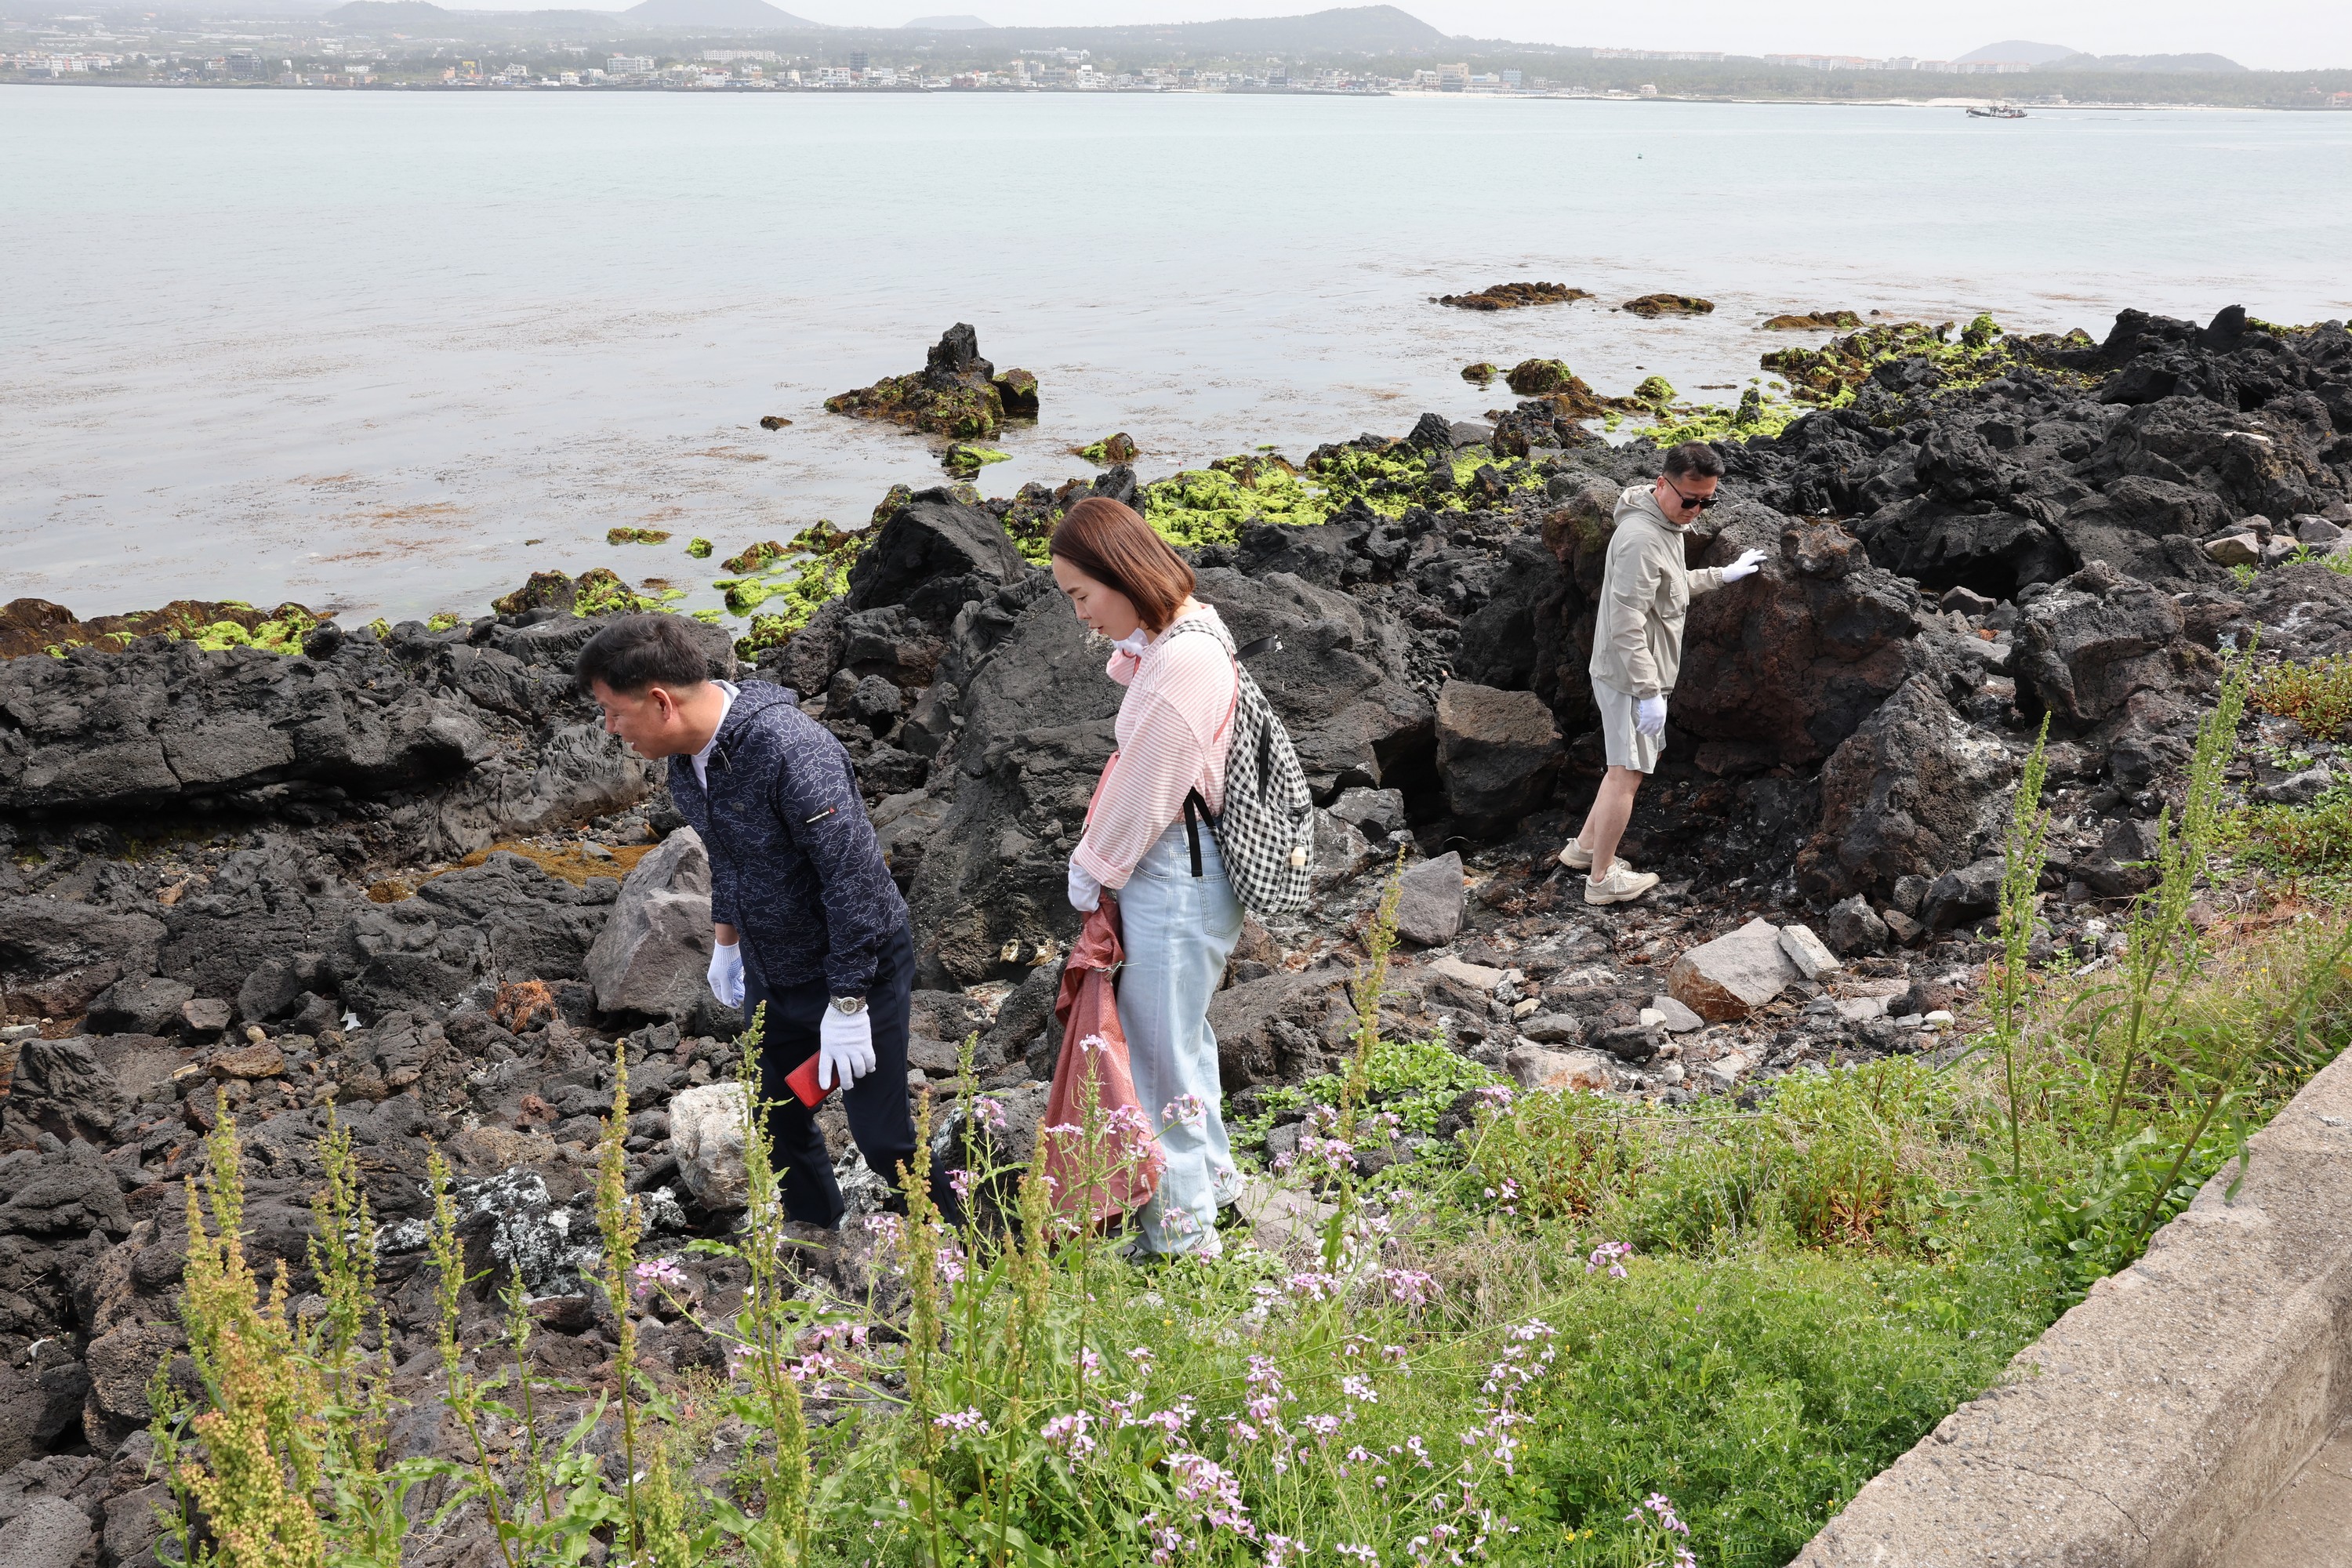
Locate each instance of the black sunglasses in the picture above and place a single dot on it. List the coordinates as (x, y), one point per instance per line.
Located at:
(1695, 503)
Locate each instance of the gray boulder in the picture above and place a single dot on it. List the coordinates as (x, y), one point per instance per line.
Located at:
(1795, 659)
(1376, 812)
(1725, 980)
(1430, 901)
(49, 1532)
(1912, 791)
(2084, 647)
(172, 723)
(1969, 893)
(39, 1403)
(139, 1004)
(56, 955)
(1498, 752)
(1853, 928)
(933, 555)
(654, 954)
(1342, 853)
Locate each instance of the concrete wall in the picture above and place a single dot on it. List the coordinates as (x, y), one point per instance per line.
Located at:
(2153, 1421)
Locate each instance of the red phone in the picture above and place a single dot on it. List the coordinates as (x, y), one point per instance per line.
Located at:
(802, 1081)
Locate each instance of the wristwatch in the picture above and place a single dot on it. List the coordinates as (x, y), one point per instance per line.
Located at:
(849, 1006)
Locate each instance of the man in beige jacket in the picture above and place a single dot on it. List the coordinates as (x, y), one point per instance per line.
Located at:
(1637, 650)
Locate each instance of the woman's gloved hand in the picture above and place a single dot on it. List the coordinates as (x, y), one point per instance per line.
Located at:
(845, 1046)
(1134, 643)
(1085, 893)
(727, 972)
(1750, 562)
(1650, 716)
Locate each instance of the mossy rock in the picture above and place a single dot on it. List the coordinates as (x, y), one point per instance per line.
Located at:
(443, 621)
(1654, 392)
(1831, 375)
(888, 507)
(755, 558)
(1538, 377)
(1814, 322)
(1111, 449)
(1651, 306)
(599, 592)
(1512, 296)
(636, 536)
(962, 458)
(958, 411)
(1017, 391)
(1480, 375)
(544, 591)
(699, 548)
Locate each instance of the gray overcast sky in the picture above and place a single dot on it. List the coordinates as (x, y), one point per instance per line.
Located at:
(2276, 35)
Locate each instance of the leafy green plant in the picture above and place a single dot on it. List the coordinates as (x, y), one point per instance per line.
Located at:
(2161, 939)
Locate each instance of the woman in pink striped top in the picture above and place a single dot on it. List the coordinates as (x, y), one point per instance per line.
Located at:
(1178, 917)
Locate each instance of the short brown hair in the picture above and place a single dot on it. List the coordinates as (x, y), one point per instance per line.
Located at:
(1106, 540)
(1694, 459)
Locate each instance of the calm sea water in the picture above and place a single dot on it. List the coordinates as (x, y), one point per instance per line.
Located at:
(387, 354)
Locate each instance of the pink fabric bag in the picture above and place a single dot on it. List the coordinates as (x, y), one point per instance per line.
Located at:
(1125, 1167)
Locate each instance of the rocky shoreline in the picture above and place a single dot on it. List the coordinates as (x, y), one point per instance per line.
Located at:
(404, 872)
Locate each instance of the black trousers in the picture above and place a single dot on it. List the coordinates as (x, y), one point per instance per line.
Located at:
(879, 1118)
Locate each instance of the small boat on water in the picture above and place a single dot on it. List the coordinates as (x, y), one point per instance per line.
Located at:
(1996, 111)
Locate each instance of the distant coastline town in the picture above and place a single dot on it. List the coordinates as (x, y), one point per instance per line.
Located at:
(749, 46)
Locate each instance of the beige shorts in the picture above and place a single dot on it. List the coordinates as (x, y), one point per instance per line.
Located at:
(1627, 746)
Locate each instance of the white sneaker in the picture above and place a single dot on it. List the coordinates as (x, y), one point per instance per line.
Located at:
(1576, 857)
(1621, 886)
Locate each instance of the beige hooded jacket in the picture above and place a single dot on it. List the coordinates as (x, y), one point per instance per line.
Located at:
(1645, 591)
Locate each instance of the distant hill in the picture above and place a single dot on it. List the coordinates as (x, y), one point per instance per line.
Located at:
(393, 16)
(2019, 49)
(735, 16)
(2054, 57)
(2165, 64)
(1369, 30)
(948, 24)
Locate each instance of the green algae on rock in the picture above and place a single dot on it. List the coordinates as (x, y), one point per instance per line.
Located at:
(1813, 321)
(964, 459)
(1480, 375)
(826, 553)
(1651, 306)
(636, 536)
(36, 625)
(755, 558)
(596, 592)
(1111, 449)
(699, 548)
(1831, 375)
(1540, 377)
(1512, 296)
(957, 393)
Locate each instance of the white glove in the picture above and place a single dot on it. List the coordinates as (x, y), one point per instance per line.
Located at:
(1134, 643)
(727, 972)
(1750, 562)
(1650, 716)
(1085, 893)
(845, 1046)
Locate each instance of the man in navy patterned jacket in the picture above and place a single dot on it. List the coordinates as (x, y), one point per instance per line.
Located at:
(804, 916)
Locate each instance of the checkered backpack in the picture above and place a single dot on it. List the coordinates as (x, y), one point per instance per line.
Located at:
(1267, 832)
